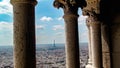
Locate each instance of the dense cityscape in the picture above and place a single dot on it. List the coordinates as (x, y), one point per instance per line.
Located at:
(46, 56)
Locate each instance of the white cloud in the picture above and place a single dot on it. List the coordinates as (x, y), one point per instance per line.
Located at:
(6, 33)
(5, 7)
(59, 33)
(58, 27)
(6, 26)
(83, 36)
(82, 19)
(40, 27)
(45, 18)
(60, 18)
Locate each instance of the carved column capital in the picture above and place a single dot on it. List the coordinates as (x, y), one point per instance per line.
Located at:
(33, 2)
(93, 17)
(69, 6)
(92, 10)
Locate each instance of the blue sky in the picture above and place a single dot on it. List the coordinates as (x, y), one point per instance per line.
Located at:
(49, 23)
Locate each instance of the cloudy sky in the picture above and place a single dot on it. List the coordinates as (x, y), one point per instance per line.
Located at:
(49, 23)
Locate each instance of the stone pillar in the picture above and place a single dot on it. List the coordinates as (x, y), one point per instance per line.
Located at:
(24, 33)
(72, 43)
(110, 15)
(105, 45)
(116, 46)
(70, 8)
(90, 53)
(96, 44)
(95, 30)
(115, 41)
(89, 65)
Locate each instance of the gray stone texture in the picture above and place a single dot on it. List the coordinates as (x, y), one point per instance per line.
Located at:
(24, 34)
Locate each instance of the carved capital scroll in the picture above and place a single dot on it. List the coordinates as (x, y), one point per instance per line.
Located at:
(69, 6)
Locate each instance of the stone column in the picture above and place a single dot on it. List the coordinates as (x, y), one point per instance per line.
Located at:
(24, 33)
(105, 45)
(90, 53)
(96, 44)
(89, 65)
(72, 42)
(71, 28)
(95, 30)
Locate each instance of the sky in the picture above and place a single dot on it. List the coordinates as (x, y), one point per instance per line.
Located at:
(49, 23)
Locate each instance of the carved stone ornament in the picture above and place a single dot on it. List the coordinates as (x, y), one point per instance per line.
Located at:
(91, 14)
(69, 6)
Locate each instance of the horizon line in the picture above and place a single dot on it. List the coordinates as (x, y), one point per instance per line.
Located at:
(39, 44)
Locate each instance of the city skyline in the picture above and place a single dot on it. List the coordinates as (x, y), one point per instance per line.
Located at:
(49, 23)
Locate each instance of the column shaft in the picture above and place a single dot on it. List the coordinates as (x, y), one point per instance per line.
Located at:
(105, 46)
(72, 42)
(71, 29)
(96, 44)
(89, 64)
(89, 45)
(24, 35)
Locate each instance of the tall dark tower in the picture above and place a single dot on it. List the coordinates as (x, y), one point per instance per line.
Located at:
(54, 44)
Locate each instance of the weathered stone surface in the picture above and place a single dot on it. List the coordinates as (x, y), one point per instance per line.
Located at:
(95, 28)
(89, 64)
(96, 46)
(33, 2)
(93, 5)
(72, 42)
(110, 15)
(115, 38)
(105, 45)
(24, 35)
(71, 29)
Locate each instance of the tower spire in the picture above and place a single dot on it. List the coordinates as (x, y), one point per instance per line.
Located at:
(54, 44)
